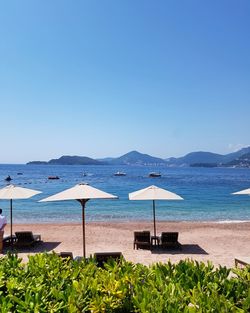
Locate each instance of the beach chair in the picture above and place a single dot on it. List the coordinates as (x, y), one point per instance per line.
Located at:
(66, 255)
(103, 257)
(242, 261)
(170, 240)
(26, 239)
(142, 240)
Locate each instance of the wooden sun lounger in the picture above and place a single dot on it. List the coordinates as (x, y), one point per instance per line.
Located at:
(66, 255)
(243, 261)
(26, 239)
(142, 239)
(170, 240)
(103, 257)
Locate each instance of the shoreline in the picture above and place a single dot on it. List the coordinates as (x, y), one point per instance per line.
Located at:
(220, 243)
(61, 222)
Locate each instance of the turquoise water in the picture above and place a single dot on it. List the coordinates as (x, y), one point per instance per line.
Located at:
(206, 192)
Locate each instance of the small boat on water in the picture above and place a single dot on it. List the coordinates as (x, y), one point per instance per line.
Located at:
(120, 174)
(154, 174)
(8, 178)
(53, 177)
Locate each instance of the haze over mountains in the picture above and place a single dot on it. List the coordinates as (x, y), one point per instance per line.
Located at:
(240, 158)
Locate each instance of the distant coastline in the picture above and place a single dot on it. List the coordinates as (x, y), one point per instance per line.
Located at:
(238, 159)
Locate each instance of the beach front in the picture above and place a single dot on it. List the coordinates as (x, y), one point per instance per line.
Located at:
(201, 241)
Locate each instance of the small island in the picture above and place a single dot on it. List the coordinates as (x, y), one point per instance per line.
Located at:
(68, 160)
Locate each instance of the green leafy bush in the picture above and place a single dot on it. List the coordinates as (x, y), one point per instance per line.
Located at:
(48, 283)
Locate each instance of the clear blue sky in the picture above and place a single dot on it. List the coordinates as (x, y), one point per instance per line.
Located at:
(101, 78)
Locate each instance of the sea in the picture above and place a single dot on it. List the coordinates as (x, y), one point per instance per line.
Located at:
(207, 193)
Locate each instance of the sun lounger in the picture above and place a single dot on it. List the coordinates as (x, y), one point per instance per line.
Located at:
(103, 257)
(66, 255)
(170, 240)
(26, 239)
(243, 261)
(142, 240)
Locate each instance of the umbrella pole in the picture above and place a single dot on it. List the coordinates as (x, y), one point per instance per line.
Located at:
(83, 202)
(83, 230)
(154, 217)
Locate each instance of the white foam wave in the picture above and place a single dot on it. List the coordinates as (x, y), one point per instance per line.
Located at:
(231, 221)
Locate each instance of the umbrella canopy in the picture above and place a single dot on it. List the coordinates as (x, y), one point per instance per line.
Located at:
(12, 192)
(82, 193)
(153, 193)
(242, 192)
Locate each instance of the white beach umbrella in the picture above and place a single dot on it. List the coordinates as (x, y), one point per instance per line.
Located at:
(12, 192)
(242, 192)
(153, 193)
(82, 193)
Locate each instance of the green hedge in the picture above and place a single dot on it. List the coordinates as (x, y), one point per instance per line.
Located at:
(48, 283)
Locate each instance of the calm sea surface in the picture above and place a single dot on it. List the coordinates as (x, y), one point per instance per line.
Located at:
(206, 192)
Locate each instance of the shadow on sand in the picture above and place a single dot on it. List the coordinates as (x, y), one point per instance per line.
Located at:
(43, 246)
(185, 249)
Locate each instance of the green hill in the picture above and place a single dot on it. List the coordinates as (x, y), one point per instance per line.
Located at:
(70, 160)
(137, 158)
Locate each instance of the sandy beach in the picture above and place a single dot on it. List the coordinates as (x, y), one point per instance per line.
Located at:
(217, 242)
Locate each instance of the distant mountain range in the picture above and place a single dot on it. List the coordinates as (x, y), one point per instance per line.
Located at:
(202, 158)
(240, 158)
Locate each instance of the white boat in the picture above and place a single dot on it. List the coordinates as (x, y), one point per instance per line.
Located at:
(120, 174)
